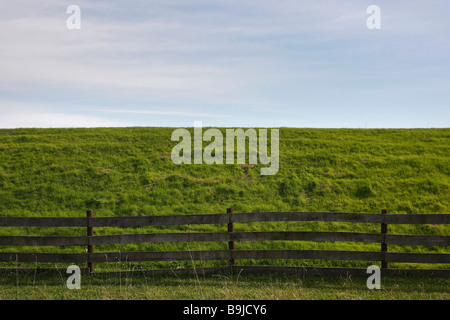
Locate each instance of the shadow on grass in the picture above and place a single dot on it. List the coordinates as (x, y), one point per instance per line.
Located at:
(248, 280)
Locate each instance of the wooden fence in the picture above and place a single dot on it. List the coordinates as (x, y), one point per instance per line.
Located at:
(231, 236)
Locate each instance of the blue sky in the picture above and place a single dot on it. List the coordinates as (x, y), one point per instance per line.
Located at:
(226, 63)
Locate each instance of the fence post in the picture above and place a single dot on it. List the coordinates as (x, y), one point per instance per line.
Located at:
(230, 231)
(90, 233)
(384, 247)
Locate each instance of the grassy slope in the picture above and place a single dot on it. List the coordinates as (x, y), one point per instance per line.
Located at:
(128, 171)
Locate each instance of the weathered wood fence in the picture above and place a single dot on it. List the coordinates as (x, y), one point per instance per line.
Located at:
(231, 236)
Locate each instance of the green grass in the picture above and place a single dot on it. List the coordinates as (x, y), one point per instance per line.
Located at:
(129, 172)
(219, 287)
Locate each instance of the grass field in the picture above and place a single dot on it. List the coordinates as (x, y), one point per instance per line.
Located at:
(128, 171)
(220, 287)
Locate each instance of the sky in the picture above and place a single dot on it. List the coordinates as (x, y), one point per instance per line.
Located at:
(227, 63)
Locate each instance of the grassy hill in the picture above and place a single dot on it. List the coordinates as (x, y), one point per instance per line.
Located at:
(128, 171)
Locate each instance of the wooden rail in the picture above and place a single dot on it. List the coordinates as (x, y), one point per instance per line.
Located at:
(224, 218)
(230, 236)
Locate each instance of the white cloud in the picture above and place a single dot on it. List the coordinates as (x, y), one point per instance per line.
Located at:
(166, 113)
(54, 120)
(20, 114)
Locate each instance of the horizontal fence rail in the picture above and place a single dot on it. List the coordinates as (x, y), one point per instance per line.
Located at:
(223, 218)
(232, 254)
(225, 255)
(223, 236)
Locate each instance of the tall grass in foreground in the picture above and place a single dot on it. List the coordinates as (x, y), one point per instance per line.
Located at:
(218, 287)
